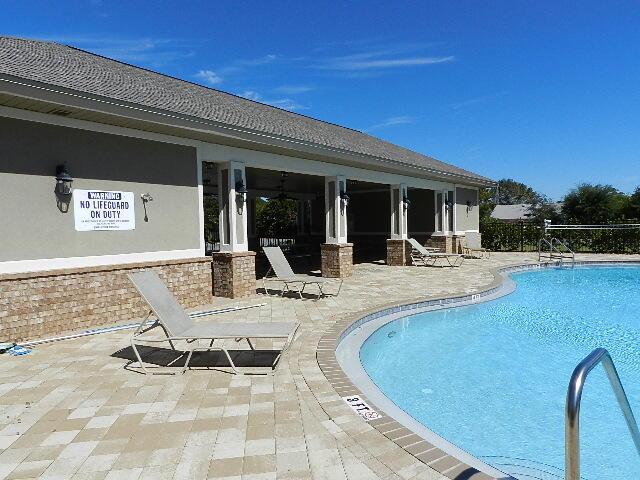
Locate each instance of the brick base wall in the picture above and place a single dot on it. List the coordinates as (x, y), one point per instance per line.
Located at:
(234, 274)
(41, 304)
(398, 252)
(336, 260)
(448, 244)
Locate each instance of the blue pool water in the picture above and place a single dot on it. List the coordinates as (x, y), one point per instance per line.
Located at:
(492, 378)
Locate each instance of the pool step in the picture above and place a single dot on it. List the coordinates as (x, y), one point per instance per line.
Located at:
(524, 469)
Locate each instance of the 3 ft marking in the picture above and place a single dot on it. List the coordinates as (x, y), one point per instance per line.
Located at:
(361, 408)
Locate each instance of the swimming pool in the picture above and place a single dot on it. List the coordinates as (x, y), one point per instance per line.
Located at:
(491, 378)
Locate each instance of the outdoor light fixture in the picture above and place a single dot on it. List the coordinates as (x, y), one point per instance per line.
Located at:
(146, 197)
(406, 203)
(469, 206)
(63, 180)
(241, 194)
(344, 199)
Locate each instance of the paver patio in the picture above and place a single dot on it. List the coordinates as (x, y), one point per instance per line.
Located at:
(70, 409)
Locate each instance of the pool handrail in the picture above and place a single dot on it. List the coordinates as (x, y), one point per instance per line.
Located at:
(572, 409)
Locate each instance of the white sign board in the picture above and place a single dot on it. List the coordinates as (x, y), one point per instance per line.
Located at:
(100, 210)
(361, 408)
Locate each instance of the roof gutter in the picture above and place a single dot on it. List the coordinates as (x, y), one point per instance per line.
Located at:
(41, 86)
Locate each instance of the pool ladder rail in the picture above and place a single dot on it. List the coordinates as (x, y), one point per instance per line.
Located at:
(555, 249)
(572, 409)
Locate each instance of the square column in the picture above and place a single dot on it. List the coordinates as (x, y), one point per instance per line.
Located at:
(232, 207)
(399, 206)
(398, 249)
(234, 267)
(336, 253)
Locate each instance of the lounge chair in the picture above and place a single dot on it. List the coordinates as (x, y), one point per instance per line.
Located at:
(421, 256)
(472, 246)
(282, 271)
(178, 326)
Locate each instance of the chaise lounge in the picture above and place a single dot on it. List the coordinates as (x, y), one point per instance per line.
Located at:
(282, 271)
(422, 257)
(178, 326)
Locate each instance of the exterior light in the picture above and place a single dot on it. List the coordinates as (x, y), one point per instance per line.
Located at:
(241, 194)
(344, 199)
(63, 180)
(406, 203)
(469, 206)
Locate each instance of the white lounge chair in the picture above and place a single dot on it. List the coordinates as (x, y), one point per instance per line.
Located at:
(282, 271)
(472, 246)
(178, 326)
(421, 256)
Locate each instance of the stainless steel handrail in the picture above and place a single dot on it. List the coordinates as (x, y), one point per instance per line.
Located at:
(566, 247)
(572, 409)
(555, 252)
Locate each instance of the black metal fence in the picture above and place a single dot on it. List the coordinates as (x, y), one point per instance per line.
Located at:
(524, 237)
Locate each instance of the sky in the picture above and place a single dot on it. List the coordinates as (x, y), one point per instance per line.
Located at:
(544, 92)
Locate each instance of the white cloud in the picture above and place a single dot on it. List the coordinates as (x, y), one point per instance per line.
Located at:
(209, 77)
(146, 51)
(294, 89)
(391, 121)
(378, 60)
(474, 101)
(284, 103)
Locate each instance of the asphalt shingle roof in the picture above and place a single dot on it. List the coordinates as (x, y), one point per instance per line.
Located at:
(75, 69)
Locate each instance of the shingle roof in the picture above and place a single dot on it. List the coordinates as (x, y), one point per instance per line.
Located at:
(75, 69)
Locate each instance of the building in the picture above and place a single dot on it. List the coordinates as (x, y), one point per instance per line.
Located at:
(512, 213)
(103, 169)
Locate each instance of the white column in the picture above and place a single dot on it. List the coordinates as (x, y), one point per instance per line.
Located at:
(200, 200)
(335, 209)
(398, 212)
(233, 207)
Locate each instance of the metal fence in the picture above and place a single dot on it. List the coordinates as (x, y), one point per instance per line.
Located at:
(524, 237)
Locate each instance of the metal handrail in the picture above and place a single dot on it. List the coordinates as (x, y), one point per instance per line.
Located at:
(552, 249)
(572, 409)
(569, 251)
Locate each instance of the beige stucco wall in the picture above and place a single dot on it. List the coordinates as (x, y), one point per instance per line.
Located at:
(34, 228)
(467, 218)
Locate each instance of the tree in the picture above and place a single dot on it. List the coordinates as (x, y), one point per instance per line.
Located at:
(632, 212)
(589, 204)
(276, 218)
(210, 204)
(511, 192)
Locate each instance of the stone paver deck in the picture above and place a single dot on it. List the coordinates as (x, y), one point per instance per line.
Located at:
(70, 409)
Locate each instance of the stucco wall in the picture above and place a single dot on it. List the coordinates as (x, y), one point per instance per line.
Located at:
(33, 227)
(467, 218)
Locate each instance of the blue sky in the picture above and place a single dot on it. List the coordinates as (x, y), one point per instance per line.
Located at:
(544, 92)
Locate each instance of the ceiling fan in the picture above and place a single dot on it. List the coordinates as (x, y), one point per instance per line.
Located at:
(282, 195)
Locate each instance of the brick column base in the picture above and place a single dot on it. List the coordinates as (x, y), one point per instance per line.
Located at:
(337, 259)
(448, 244)
(234, 274)
(398, 253)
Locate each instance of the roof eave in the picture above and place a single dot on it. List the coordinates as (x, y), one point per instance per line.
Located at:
(78, 99)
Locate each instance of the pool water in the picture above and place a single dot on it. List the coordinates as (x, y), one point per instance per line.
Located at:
(492, 378)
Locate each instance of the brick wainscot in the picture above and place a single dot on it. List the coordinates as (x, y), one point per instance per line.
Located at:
(37, 305)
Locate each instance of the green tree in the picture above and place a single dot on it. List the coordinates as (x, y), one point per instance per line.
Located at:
(511, 192)
(210, 204)
(594, 204)
(276, 218)
(632, 212)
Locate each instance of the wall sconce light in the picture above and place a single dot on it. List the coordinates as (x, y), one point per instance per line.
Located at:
(63, 180)
(146, 197)
(406, 203)
(241, 194)
(469, 206)
(344, 199)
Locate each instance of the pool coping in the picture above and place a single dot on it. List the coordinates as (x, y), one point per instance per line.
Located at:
(452, 464)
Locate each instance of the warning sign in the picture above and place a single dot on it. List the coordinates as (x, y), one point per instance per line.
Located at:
(361, 408)
(98, 210)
